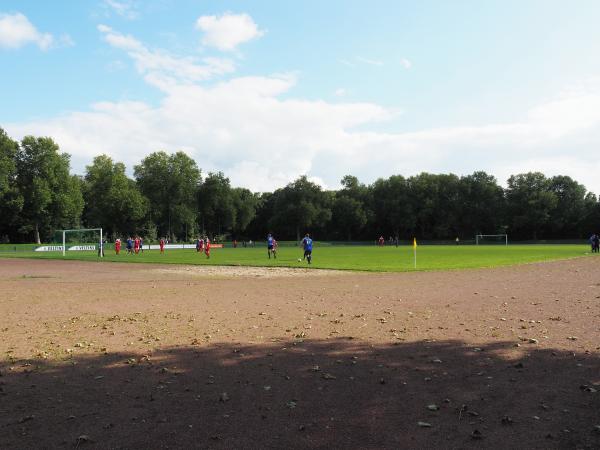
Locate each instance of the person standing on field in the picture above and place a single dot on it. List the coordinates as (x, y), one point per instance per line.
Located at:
(136, 245)
(118, 246)
(142, 244)
(129, 245)
(162, 245)
(307, 243)
(270, 241)
(207, 247)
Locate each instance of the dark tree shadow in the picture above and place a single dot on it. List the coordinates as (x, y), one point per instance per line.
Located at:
(312, 394)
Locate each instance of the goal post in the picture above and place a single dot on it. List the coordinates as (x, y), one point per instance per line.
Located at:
(501, 239)
(84, 239)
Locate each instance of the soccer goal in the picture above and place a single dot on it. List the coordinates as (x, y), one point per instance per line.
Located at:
(491, 239)
(83, 239)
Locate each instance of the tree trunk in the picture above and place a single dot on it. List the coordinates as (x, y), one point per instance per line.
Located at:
(36, 234)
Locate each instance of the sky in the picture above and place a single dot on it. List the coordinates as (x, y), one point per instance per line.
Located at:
(266, 91)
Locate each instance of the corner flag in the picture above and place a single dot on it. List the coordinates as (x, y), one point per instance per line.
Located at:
(415, 250)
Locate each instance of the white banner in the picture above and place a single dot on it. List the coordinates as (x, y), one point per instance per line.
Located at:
(59, 248)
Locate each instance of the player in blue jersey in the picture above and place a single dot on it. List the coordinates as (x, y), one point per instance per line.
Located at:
(307, 243)
(271, 246)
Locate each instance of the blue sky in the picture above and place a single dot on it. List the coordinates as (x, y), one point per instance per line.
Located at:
(269, 90)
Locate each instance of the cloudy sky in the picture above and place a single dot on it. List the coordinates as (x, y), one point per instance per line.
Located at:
(268, 90)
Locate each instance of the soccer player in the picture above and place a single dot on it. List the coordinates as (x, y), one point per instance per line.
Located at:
(198, 245)
(129, 245)
(118, 246)
(142, 244)
(275, 244)
(381, 241)
(270, 240)
(162, 245)
(136, 245)
(207, 247)
(307, 243)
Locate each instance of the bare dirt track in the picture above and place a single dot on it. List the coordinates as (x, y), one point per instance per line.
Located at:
(107, 355)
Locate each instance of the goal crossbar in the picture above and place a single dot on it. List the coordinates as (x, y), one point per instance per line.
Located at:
(64, 243)
(479, 236)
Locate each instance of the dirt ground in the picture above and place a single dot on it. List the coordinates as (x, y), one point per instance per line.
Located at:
(108, 355)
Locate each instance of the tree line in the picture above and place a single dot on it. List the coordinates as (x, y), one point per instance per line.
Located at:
(169, 196)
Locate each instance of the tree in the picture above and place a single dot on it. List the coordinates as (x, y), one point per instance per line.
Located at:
(245, 204)
(529, 203)
(170, 183)
(436, 201)
(112, 200)
(215, 204)
(570, 208)
(300, 205)
(51, 196)
(11, 202)
(348, 215)
(482, 206)
(393, 206)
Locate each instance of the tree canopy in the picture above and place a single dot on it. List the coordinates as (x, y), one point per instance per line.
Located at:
(167, 196)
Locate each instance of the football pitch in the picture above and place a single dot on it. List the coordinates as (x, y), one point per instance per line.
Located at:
(358, 258)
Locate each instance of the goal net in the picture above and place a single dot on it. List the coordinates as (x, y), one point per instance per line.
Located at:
(491, 239)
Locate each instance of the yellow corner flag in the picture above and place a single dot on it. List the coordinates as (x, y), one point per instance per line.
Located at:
(415, 250)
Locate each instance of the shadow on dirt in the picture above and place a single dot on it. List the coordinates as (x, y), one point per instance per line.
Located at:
(312, 394)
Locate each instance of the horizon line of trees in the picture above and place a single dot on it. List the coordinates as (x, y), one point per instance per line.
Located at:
(169, 197)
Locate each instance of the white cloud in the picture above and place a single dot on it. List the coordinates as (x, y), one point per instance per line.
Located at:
(125, 8)
(262, 138)
(405, 63)
(340, 92)
(372, 62)
(345, 62)
(162, 68)
(17, 31)
(227, 31)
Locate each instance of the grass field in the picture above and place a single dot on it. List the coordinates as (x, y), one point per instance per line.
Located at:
(360, 258)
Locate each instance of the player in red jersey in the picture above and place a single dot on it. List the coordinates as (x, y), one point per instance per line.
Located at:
(136, 245)
(118, 246)
(207, 247)
(162, 245)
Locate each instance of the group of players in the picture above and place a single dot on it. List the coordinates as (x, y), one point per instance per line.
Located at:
(307, 244)
(203, 245)
(132, 245)
(136, 245)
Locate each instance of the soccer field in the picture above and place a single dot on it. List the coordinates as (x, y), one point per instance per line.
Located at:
(360, 258)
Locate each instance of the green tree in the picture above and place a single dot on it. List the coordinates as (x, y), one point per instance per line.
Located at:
(51, 196)
(11, 202)
(112, 200)
(302, 204)
(529, 203)
(436, 202)
(170, 183)
(245, 204)
(570, 209)
(216, 204)
(481, 205)
(393, 206)
(348, 215)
